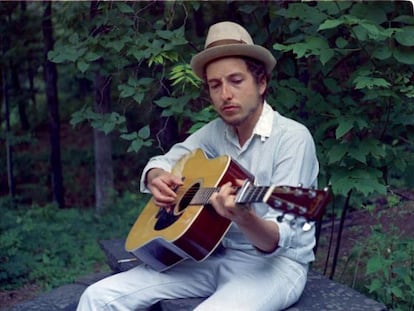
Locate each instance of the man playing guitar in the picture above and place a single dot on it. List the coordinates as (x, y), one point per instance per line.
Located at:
(263, 259)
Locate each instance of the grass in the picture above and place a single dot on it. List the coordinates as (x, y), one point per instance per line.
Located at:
(49, 246)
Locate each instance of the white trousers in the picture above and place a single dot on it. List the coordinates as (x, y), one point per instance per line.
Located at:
(233, 280)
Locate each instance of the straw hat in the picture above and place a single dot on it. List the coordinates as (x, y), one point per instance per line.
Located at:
(230, 39)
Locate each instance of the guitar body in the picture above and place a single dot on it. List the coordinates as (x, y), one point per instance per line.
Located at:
(162, 239)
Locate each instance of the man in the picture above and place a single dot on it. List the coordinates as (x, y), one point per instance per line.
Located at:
(264, 259)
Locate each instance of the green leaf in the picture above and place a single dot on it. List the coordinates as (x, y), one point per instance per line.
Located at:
(281, 47)
(144, 132)
(326, 55)
(405, 36)
(397, 292)
(300, 49)
(358, 154)
(341, 42)
(139, 97)
(82, 66)
(124, 8)
(382, 52)
(360, 32)
(344, 127)
(117, 45)
(126, 90)
(107, 127)
(404, 55)
(362, 82)
(165, 102)
(129, 136)
(92, 56)
(375, 285)
(336, 153)
(135, 145)
(364, 180)
(329, 24)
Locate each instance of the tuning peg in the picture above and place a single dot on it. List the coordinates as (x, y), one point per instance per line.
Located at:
(277, 203)
(312, 193)
(298, 192)
(302, 210)
(290, 206)
(306, 226)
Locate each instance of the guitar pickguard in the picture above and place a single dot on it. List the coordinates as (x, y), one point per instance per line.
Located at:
(167, 216)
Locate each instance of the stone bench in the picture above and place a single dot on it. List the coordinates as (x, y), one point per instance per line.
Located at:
(320, 292)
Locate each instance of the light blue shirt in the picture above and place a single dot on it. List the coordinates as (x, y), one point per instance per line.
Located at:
(280, 152)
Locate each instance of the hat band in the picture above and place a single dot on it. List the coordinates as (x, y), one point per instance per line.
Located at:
(224, 42)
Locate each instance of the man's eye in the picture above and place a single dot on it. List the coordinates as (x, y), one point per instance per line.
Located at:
(213, 86)
(237, 81)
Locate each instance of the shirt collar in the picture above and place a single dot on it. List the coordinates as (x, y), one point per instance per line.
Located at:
(263, 126)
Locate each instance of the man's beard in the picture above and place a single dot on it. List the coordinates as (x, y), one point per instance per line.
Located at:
(242, 119)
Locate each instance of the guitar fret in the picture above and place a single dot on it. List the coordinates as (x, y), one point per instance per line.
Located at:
(255, 194)
(202, 196)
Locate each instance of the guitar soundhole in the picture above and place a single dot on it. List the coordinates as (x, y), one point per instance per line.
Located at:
(166, 218)
(187, 197)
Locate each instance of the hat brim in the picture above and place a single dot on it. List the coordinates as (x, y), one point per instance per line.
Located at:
(200, 60)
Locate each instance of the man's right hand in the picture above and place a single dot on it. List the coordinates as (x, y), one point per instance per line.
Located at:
(162, 185)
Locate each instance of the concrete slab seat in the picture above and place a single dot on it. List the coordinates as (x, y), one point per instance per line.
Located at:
(320, 292)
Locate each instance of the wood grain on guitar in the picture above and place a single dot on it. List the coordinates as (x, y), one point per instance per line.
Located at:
(191, 229)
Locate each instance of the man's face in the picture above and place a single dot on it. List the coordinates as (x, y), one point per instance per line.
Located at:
(234, 92)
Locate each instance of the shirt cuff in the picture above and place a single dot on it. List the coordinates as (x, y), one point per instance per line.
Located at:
(152, 164)
(286, 234)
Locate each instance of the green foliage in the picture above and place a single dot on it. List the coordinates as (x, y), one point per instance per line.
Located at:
(107, 123)
(389, 269)
(50, 246)
(345, 69)
(343, 80)
(141, 54)
(139, 139)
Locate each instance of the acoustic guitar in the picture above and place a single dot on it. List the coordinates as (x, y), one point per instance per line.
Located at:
(191, 229)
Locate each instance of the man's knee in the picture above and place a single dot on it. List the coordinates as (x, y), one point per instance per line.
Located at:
(91, 298)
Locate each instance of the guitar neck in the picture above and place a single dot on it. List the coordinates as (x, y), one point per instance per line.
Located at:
(253, 194)
(308, 203)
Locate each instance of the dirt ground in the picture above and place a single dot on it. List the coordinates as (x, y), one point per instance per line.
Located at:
(357, 227)
(13, 297)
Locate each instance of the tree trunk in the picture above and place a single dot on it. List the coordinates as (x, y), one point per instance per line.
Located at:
(9, 149)
(104, 176)
(50, 73)
(21, 102)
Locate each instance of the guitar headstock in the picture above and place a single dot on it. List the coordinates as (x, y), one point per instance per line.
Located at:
(303, 202)
(299, 201)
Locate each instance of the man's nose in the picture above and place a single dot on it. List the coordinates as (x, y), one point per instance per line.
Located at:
(226, 92)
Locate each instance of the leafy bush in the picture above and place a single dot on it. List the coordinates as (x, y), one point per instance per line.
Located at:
(386, 257)
(390, 267)
(51, 246)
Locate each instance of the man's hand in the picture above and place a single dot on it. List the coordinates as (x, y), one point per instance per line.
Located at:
(224, 203)
(262, 233)
(162, 185)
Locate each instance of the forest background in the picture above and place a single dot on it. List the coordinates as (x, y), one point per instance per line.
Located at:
(90, 90)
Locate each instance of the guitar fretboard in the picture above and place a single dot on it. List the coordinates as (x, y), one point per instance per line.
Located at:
(252, 194)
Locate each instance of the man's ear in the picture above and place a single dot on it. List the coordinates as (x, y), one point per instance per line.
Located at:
(262, 85)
